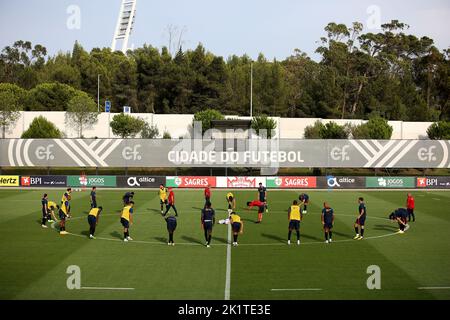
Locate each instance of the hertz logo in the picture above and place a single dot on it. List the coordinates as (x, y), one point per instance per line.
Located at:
(9, 181)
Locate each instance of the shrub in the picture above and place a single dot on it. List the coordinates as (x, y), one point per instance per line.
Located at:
(41, 128)
(206, 116)
(126, 126)
(439, 130)
(264, 123)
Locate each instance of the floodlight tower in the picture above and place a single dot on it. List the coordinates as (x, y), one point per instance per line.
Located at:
(125, 24)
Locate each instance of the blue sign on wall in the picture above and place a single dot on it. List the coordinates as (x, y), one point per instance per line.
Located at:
(108, 106)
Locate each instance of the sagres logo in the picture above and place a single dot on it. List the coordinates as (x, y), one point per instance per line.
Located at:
(132, 153)
(45, 152)
(340, 154)
(190, 182)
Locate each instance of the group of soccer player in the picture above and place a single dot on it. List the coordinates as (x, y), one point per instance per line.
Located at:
(208, 218)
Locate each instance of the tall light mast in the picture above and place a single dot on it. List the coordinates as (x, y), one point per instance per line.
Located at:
(125, 24)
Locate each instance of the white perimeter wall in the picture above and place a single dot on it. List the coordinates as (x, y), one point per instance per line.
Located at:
(179, 125)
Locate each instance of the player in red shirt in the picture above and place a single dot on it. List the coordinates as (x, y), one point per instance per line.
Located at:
(207, 193)
(171, 203)
(256, 203)
(410, 207)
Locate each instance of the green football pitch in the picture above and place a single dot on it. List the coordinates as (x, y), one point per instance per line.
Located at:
(34, 261)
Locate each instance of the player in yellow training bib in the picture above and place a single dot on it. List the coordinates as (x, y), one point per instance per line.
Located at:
(231, 200)
(93, 218)
(294, 216)
(237, 226)
(126, 219)
(162, 197)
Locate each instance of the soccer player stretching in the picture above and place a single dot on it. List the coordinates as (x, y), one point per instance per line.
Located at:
(208, 220)
(327, 221)
(294, 217)
(237, 226)
(93, 218)
(171, 222)
(260, 205)
(63, 214)
(400, 215)
(162, 197)
(305, 199)
(127, 219)
(361, 220)
(231, 200)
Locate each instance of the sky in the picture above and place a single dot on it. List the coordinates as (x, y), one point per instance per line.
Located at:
(225, 27)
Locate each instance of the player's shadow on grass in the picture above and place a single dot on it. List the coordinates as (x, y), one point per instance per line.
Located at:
(273, 237)
(221, 240)
(116, 234)
(385, 227)
(302, 235)
(344, 235)
(85, 233)
(160, 239)
(191, 240)
(155, 211)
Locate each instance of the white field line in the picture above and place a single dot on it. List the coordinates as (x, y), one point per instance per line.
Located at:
(228, 270)
(104, 288)
(298, 289)
(433, 288)
(229, 237)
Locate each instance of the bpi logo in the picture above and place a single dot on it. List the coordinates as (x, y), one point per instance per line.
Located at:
(25, 181)
(340, 154)
(45, 153)
(427, 154)
(132, 153)
(426, 182)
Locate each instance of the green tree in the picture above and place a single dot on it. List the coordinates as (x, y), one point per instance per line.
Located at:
(51, 97)
(9, 110)
(314, 131)
(375, 128)
(330, 130)
(206, 116)
(41, 128)
(81, 113)
(166, 135)
(439, 131)
(126, 126)
(264, 123)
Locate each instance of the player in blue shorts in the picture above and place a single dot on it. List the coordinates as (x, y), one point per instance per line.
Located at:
(171, 222)
(327, 221)
(208, 220)
(304, 198)
(401, 216)
(361, 220)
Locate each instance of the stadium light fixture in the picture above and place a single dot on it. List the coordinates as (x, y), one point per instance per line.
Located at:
(125, 24)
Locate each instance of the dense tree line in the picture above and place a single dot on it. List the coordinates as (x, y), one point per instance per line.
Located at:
(391, 74)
